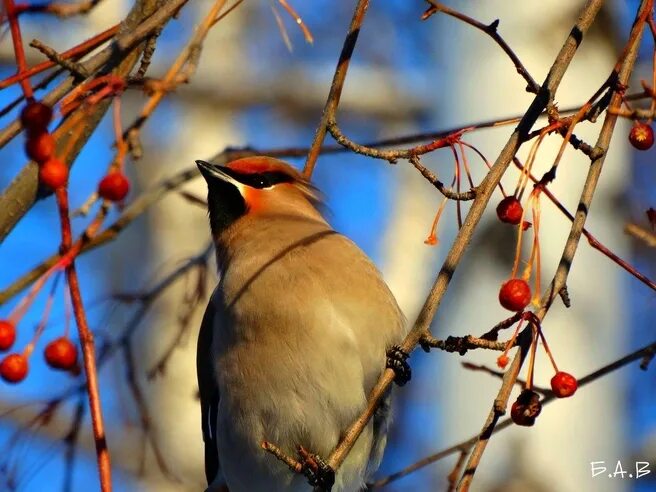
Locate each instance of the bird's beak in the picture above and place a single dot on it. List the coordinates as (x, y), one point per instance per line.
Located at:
(212, 172)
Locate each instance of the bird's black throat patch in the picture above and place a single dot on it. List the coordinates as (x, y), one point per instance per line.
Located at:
(225, 204)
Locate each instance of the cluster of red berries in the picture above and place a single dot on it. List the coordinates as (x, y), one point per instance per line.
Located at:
(527, 406)
(641, 136)
(60, 353)
(515, 293)
(40, 145)
(53, 173)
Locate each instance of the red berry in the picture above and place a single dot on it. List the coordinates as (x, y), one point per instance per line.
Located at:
(114, 187)
(53, 173)
(13, 368)
(564, 384)
(526, 408)
(502, 361)
(36, 116)
(641, 136)
(7, 334)
(515, 294)
(510, 210)
(61, 353)
(40, 147)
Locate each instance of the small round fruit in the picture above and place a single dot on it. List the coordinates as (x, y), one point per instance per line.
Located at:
(13, 368)
(641, 136)
(61, 353)
(53, 173)
(510, 210)
(564, 384)
(7, 334)
(502, 361)
(114, 186)
(36, 116)
(515, 294)
(526, 408)
(40, 147)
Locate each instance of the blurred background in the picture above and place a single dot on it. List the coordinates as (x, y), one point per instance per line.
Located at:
(407, 76)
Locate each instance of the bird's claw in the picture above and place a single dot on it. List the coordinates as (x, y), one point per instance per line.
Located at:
(319, 473)
(397, 360)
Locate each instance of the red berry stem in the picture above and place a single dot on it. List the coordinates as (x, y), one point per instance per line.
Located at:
(487, 163)
(509, 345)
(592, 240)
(19, 52)
(456, 174)
(121, 145)
(67, 312)
(652, 104)
(518, 246)
(432, 240)
(534, 259)
(531, 362)
(546, 348)
(523, 179)
(465, 163)
(29, 348)
(75, 52)
(88, 347)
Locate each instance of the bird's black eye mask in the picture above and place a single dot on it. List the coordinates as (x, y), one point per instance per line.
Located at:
(225, 202)
(259, 180)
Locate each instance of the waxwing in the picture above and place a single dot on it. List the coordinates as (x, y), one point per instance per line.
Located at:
(296, 334)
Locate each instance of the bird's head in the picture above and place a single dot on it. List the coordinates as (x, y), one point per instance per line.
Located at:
(255, 187)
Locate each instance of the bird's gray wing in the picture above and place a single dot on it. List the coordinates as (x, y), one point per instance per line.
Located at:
(209, 392)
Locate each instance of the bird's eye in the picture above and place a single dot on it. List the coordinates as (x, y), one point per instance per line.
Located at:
(259, 181)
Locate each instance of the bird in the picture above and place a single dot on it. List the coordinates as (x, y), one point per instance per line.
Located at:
(295, 335)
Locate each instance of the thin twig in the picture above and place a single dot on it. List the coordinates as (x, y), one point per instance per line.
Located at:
(560, 278)
(336, 87)
(456, 253)
(549, 397)
(88, 347)
(62, 9)
(142, 408)
(293, 464)
(180, 71)
(460, 344)
(490, 30)
(432, 179)
(17, 40)
(647, 237)
(499, 374)
(120, 57)
(71, 440)
(592, 240)
(75, 52)
(75, 68)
